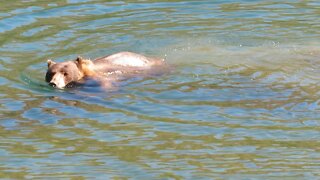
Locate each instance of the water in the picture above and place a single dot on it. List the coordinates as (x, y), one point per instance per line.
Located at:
(242, 100)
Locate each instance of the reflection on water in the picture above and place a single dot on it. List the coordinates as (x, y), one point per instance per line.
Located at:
(241, 102)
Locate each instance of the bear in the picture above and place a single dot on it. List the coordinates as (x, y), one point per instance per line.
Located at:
(105, 70)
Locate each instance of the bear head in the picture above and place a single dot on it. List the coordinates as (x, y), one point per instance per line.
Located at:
(64, 74)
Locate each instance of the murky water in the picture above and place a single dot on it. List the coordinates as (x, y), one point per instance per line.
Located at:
(242, 100)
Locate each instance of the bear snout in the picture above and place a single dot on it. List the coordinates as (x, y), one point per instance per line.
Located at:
(58, 81)
(52, 84)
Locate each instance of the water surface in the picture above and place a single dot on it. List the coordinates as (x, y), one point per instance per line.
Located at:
(242, 100)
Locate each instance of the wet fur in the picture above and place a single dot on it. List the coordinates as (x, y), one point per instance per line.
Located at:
(106, 70)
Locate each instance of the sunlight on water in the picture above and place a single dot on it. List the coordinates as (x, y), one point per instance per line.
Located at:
(241, 100)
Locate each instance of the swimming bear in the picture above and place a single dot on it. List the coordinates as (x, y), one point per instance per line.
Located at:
(105, 70)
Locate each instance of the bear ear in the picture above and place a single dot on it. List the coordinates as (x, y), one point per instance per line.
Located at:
(50, 62)
(79, 60)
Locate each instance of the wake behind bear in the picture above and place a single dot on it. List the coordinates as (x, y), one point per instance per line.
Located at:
(105, 70)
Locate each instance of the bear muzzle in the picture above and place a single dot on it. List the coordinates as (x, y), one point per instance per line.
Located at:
(58, 81)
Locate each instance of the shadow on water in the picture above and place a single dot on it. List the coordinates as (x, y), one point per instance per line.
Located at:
(242, 101)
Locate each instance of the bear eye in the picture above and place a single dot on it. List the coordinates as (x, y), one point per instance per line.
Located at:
(65, 74)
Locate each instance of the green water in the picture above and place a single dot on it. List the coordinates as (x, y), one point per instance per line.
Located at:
(241, 101)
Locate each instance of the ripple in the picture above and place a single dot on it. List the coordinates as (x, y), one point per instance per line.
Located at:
(242, 96)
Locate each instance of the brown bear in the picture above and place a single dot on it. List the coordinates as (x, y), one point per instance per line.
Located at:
(106, 70)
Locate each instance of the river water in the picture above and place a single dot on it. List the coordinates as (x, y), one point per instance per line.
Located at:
(241, 100)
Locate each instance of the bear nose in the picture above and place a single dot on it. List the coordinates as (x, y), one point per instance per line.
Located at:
(52, 84)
